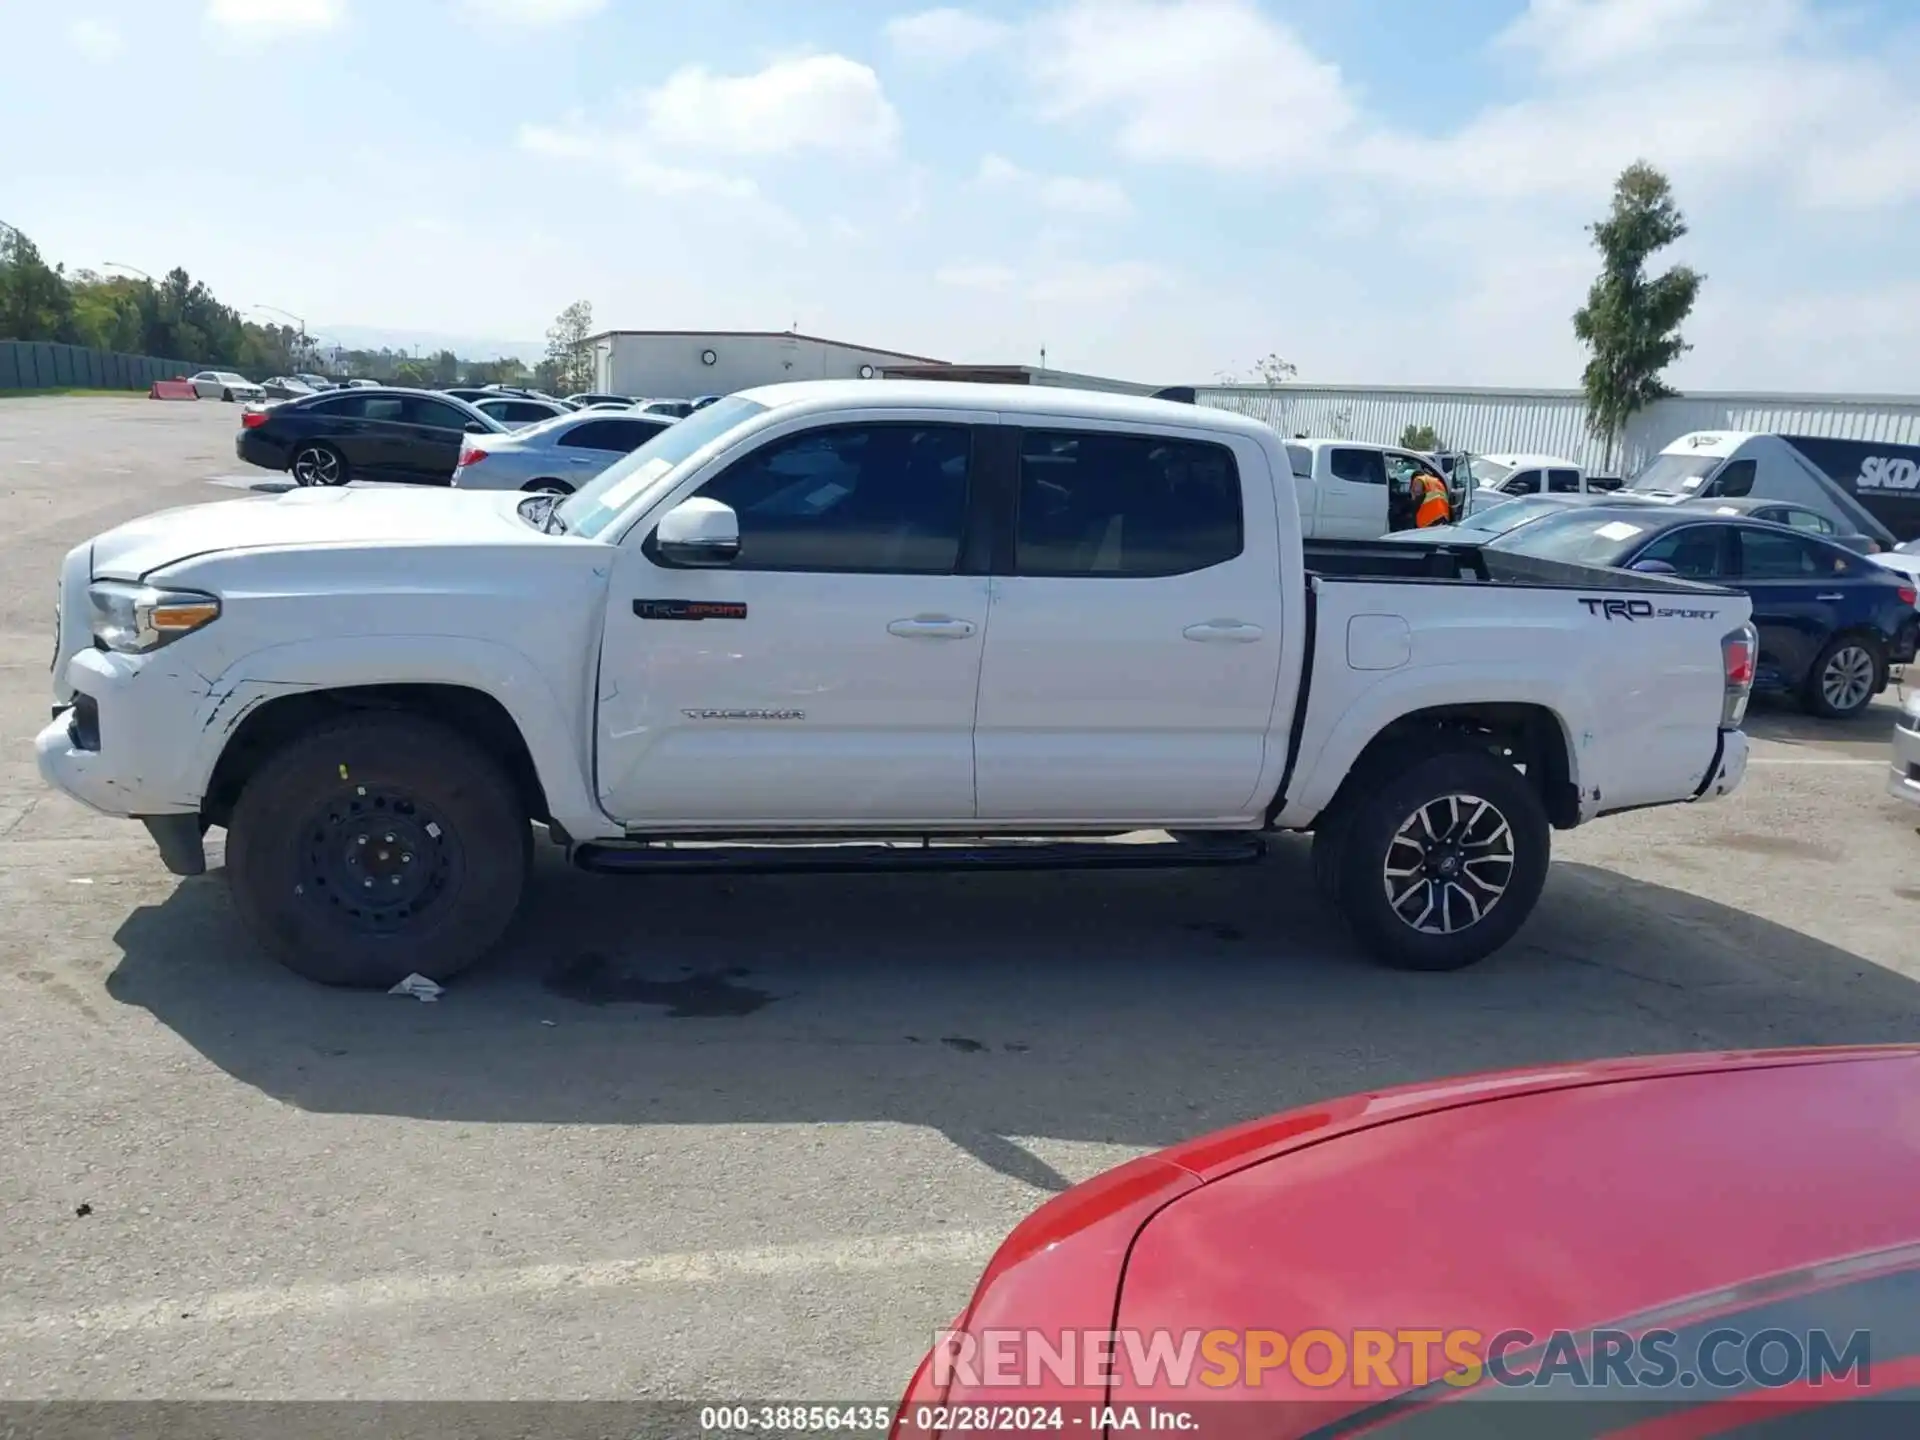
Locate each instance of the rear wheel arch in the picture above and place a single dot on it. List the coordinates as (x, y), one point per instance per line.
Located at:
(1532, 737)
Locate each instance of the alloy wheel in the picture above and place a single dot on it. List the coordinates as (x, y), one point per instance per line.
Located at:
(1848, 679)
(1449, 864)
(315, 466)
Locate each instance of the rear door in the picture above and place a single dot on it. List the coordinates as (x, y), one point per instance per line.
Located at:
(1134, 648)
(340, 420)
(1800, 598)
(1353, 494)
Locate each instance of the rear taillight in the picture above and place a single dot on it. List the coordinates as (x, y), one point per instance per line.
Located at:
(1908, 594)
(252, 419)
(1739, 655)
(471, 457)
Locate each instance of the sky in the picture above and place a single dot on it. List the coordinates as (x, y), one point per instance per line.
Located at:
(1379, 191)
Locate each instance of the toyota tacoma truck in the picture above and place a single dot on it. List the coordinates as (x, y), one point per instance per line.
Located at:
(868, 625)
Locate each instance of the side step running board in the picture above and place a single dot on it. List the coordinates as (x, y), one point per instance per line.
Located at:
(831, 859)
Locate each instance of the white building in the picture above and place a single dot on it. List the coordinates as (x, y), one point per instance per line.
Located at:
(680, 364)
(1554, 422)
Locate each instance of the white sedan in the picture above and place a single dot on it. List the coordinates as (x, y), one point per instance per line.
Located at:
(224, 385)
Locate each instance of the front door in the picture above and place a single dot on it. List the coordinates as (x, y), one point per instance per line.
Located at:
(828, 674)
(434, 432)
(1134, 649)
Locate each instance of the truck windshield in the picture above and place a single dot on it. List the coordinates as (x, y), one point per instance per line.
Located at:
(591, 508)
(1487, 472)
(1580, 536)
(1684, 473)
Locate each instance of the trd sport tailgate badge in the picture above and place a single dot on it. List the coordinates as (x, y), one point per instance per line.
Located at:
(690, 609)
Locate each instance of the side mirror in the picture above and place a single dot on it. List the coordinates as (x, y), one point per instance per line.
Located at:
(699, 532)
(1653, 567)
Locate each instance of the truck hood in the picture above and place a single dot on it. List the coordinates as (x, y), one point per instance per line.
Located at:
(305, 518)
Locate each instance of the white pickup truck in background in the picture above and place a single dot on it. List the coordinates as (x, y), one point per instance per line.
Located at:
(1356, 490)
(941, 619)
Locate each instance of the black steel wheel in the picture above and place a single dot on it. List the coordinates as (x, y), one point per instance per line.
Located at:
(376, 846)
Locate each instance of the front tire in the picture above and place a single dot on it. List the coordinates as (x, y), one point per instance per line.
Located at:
(1439, 864)
(378, 846)
(547, 487)
(227, 395)
(1849, 672)
(318, 465)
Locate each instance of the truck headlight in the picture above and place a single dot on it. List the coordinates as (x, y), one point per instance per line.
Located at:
(134, 619)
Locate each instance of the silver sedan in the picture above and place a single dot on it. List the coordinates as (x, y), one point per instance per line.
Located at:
(559, 455)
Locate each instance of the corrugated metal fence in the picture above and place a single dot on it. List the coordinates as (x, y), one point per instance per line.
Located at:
(1554, 422)
(42, 365)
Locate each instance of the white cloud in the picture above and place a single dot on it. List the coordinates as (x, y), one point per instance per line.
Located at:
(815, 102)
(1569, 37)
(945, 35)
(99, 41)
(255, 20)
(1214, 81)
(1090, 283)
(990, 278)
(534, 14)
(1061, 194)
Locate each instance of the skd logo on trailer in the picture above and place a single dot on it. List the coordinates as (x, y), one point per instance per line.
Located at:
(1888, 472)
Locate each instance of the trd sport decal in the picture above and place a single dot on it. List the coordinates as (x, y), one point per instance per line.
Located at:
(690, 609)
(1641, 610)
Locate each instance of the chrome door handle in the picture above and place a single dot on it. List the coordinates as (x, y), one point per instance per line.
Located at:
(1228, 630)
(1835, 596)
(931, 627)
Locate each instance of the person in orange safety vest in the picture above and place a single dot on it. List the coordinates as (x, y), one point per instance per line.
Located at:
(1430, 503)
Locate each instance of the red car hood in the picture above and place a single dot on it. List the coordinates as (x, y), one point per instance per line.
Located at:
(1618, 1193)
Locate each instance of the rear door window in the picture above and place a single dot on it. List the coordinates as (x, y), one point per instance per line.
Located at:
(384, 407)
(1770, 555)
(1099, 503)
(1358, 467)
(1527, 482)
(620, 436)
(1563, 482)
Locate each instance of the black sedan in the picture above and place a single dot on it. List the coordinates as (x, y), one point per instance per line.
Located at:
(367, 434)
(1795, 517)
(1831, 622)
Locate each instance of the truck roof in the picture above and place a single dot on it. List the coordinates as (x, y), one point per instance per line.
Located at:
(1709, 442)
(1010, 399)
(1529, 461)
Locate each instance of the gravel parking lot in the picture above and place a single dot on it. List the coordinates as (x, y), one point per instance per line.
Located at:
(748, 1138)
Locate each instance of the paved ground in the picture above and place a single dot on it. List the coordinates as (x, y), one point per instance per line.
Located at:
(708, 1138)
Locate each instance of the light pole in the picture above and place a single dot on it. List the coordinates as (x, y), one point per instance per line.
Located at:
(116, 265)
(276, 310)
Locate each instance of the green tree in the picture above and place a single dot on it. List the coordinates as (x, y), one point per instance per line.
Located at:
(569, 363)
(35, 301)
(1420, 437)
(1630, 323)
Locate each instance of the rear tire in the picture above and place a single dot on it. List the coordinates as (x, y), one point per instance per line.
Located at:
(1440, 864)
(377, 846)
(1843, 680)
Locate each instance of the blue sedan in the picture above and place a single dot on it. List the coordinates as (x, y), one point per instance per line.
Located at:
(1831, 622)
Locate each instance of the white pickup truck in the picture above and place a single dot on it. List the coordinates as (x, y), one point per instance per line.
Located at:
(852, 625)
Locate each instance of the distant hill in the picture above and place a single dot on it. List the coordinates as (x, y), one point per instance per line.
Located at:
(467, 347)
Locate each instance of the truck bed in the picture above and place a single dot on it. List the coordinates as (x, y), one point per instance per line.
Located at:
(1450, 562)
